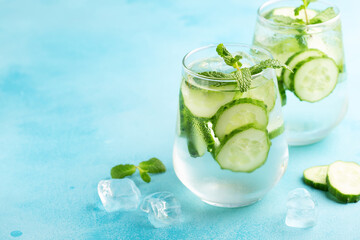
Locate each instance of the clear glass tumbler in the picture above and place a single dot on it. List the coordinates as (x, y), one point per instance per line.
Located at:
(230, 148)
(316, 91)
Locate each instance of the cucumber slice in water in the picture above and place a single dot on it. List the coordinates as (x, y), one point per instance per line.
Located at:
(315, 78)
(265, 92)
(294, 60)
(316, 177)
(205, 103)
(239, 113)
(183, 117)
(343, 180)
(199, 137)
(282, 91)
(244, 150)
(277, 132)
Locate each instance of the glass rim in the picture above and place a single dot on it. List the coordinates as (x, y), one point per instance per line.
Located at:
(213, 79)
(309, 26)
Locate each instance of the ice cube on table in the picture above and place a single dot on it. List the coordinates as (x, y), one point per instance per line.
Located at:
(119, 194)
(162, 208)
(301, 209)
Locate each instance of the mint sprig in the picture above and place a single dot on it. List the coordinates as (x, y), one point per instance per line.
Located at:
(321, 17)
(153, 165)
(303, 7)
(242, 75)
(228, 58)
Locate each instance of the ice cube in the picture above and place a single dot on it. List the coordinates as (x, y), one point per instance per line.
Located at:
(301, 209)
(162, 208)
(119, 194)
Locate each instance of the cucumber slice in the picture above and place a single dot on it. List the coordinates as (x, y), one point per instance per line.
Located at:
(199, 137)
(266, 92)
(294, 60)
(315, 78)
(282, 91)
(205, 103)
(316, 177)
(183, 116)
(239, 113)
(244, 150)
(277, 132)
(343, 180)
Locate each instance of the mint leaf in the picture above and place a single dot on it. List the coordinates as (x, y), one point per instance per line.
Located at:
(214, 74)
(228, 58)
(298, 9)
(243, 79)
(285, 20)
(324, 16)
(269, 63)
(301, 39)
(145, 176)
(122, 170)
(153, 165)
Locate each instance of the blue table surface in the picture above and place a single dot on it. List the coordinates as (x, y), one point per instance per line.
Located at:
(86, 85)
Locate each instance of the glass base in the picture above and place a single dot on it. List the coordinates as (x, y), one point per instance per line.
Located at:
(306, 138)
(231, 205)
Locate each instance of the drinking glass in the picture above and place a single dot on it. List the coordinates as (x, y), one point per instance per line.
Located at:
(316, 96)
(230, 148)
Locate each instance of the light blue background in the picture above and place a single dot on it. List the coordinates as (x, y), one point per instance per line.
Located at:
(86, 85)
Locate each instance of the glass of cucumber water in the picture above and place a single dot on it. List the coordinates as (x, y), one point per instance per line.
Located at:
(307, 37)
(230, 148)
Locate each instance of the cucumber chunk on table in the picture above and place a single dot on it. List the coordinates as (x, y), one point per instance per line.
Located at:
(316, 177)
(315, 78)
(239, 113)
(343, 179)
(244, 150)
